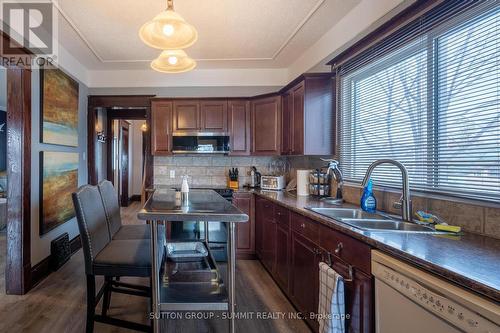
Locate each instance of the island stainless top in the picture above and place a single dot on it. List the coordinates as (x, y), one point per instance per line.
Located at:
(204, 205)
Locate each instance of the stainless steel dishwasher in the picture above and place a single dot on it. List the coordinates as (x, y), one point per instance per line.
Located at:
(410, 300)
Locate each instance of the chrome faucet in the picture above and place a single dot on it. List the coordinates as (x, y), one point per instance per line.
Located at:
(333, 166)
(404, 202)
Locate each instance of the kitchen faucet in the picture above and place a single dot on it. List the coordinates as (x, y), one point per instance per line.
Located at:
(404, 202)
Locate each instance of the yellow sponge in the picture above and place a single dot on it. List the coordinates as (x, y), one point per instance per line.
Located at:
(450, 228)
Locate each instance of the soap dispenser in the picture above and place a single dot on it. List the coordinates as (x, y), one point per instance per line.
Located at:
(368, 201)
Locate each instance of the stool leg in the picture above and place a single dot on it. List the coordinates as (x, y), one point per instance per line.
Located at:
(107, 295)
(90, 303)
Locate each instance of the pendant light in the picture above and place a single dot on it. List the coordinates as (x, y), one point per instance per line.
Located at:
(168, 31)
(173, 61)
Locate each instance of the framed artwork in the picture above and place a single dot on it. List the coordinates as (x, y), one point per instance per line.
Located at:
(58, 108)
(58, 179)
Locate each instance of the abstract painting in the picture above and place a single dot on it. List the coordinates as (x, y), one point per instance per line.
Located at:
(59, 178)
(59, 108)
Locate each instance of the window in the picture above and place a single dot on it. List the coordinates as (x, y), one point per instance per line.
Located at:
(432, 104)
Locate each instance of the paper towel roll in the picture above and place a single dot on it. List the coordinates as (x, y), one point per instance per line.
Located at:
(303, 182)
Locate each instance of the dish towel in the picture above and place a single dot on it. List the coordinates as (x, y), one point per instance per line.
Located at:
(331, 308)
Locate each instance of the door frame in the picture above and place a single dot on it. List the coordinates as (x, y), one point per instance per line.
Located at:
(18, 257)
(119, 107)
(123, 185)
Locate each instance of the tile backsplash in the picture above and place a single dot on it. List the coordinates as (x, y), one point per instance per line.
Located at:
(206, 170)
(213, 171)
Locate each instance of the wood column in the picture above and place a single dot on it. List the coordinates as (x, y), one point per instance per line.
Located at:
(18, 263)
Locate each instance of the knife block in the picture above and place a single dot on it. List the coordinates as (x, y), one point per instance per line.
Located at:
(233, 184)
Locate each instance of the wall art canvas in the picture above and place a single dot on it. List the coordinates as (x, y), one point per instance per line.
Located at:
(59, 178)
(58, 108)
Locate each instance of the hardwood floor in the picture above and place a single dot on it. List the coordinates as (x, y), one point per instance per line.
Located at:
(57, 304)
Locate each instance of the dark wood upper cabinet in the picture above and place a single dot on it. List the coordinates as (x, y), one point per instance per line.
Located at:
(213, 115)
(186, 115)
(308, 112)
(286, 123)
(245, 232)
(161, 127)
(266, 125)
(239, 126)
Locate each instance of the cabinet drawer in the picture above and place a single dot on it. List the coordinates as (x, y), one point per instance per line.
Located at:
(282, 216)
(350, 250)
(305, 227)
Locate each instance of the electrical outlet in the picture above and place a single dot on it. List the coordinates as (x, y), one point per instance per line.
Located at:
(172, 174)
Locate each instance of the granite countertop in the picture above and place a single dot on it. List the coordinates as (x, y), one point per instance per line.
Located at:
(204, 205)
(469, 260)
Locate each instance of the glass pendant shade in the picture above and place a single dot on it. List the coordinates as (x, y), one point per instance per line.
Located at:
(168, 31)
(173, 61)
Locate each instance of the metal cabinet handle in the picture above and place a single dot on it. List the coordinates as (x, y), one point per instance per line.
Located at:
(279, 213)
(339, 248)
(303, 225)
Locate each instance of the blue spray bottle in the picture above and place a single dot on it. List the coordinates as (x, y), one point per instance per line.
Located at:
(368, 201)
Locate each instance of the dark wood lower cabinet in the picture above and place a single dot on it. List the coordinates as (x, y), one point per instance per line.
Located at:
(305, 258)
(245, 232)
(282, 256)
(269, 244)
(291, 247)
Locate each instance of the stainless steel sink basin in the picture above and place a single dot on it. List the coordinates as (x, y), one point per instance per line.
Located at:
(388, 225)
(360, 219)
(347, 213)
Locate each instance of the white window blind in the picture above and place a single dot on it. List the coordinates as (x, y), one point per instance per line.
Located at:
(432, 104)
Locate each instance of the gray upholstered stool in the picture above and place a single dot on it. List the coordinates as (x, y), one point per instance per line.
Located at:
(109, 258)
(112, 209)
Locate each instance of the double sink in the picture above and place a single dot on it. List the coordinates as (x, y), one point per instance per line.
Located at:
(371, 221)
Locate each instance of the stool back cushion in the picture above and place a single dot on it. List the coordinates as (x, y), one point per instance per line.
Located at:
(111, 206)
(92, 223)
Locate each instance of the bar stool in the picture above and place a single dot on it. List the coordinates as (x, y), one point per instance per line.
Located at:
(113, 216)
(109, 258)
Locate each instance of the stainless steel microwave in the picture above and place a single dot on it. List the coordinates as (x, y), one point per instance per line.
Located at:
(203, 143)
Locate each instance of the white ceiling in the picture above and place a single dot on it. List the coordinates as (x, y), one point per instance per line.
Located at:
(103, 35)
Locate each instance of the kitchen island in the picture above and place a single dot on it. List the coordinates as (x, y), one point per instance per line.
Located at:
(206, 206)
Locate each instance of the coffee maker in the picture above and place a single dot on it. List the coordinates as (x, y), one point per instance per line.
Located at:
(254, 178)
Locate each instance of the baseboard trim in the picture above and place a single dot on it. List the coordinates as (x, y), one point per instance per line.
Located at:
(246, 256)
(41, 270)
(135, 197)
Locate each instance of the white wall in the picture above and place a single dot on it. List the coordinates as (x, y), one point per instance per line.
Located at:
(40, 245)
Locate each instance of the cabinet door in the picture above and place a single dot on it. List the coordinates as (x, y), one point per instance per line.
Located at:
(264, 212)
(245, 232)
(304, 277)
(214, 115)
(186, 115)
(161, 123)
(298, 120)
(239, 127)
(266, 127)
(282, 256)
(286, 123)
(269, 244)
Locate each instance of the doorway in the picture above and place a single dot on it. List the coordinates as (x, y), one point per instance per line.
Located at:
(127, 158)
